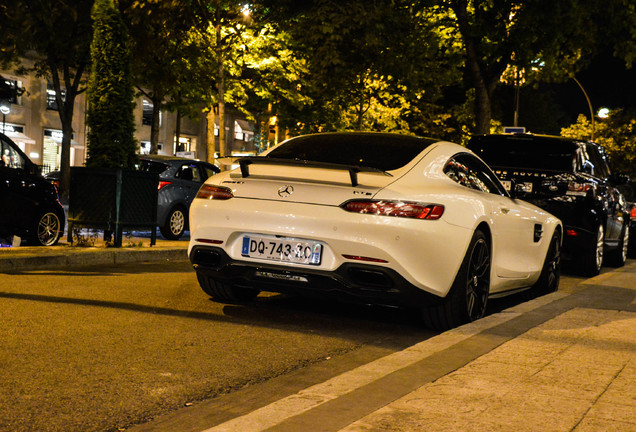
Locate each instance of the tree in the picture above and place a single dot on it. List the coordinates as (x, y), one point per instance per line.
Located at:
(110, 119)
(528, 36)
(368, 63)
(158, 30)
(57, 35)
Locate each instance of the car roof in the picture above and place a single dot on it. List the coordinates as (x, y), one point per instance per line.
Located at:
(553, 139)
(167, 158)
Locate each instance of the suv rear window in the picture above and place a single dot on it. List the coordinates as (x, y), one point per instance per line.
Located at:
(543, 154)
(381, 151)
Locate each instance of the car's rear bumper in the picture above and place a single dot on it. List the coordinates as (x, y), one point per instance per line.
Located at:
(353, 282)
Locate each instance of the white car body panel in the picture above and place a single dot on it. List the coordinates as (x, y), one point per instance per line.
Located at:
(427, 253)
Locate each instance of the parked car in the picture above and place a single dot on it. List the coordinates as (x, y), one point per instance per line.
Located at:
(572, 180)
(371, 217)
(179, 181)
(29, 207)
(629, 191)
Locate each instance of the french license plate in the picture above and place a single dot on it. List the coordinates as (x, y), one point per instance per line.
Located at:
(282, 249)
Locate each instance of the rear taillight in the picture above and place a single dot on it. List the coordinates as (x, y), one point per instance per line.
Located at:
(163, 184)
(396, 208)
(632, 214)
(215, 192)
(579, 188)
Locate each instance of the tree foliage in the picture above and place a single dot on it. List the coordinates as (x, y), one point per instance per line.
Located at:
(111, 143)
(521, 37)
(158, 32)
(55, 35)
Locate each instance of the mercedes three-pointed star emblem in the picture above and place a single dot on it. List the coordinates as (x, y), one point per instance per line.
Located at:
(285, 191)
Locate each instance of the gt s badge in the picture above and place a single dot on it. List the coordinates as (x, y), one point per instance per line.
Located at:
(285, 191)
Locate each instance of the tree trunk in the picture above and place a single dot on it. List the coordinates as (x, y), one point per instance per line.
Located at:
(482, 108)
(67, 138)
(221, 87)
(210, 144)
(483, 112)
(65, 111)
(177, 129)
(156, 122)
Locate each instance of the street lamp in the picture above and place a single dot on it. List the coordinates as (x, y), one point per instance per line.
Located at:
(589, 104)
(4, 109)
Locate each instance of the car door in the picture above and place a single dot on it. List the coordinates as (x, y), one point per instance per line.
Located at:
(190, 180)
(513, 225)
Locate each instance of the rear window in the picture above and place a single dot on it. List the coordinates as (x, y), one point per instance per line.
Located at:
(503, 152)
(385, 152)
(152, 166)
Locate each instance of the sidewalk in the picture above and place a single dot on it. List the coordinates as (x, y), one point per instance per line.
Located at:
(134, 249)
(563, 362)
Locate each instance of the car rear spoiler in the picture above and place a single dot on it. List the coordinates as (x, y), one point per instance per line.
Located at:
(245, 163)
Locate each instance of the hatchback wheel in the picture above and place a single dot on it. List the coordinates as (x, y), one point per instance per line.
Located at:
(47, 231)
(467, 298)
(175, 224)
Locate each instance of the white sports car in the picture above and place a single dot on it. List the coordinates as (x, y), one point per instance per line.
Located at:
(371, 217)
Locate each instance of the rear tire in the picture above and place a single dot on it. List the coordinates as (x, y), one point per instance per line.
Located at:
(468, 296)
(592, 258)
(618, 257)
(225, 293)
(175, 224)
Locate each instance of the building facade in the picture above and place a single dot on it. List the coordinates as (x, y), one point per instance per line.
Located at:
(33, 122)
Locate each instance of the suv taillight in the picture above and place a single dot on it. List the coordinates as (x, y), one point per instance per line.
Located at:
(395, 208)
(214, 192)
(632, 214)
(579, 188)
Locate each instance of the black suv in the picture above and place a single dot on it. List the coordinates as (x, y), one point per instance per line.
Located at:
(29, 206)
(572, 180)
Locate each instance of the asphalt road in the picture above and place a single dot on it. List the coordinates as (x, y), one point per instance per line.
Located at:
(103, 349)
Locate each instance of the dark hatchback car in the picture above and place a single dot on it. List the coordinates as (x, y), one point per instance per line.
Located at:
(29, 206)
(572, 180)
(179, 182)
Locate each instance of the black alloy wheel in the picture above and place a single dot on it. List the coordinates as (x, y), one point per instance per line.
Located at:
(478, 280)
(468, 296)
(550, 277)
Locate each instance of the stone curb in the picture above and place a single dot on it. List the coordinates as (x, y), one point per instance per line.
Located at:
(87, 257)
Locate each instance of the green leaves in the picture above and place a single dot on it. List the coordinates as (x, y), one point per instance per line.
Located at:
(111, 143)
